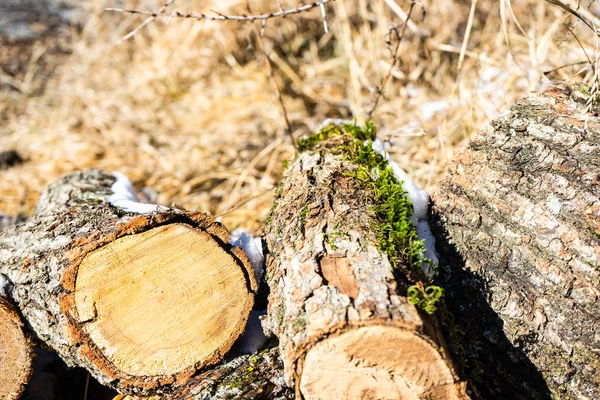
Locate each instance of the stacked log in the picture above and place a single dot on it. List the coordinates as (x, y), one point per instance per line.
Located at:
(143, 301)
(519, 235)
(338, 302)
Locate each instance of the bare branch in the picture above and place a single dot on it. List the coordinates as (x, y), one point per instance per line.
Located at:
(222, 17)
(146, 21)
(288, 125)
(398, 36)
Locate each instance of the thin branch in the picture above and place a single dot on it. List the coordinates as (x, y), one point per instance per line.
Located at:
(463, 48)
(324, 14)
(146, 21)
(222, 17)
(275, 86)
(394, 54)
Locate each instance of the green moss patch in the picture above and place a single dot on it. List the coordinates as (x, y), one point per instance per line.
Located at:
(397, 237)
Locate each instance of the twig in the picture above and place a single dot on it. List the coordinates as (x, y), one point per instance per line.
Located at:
(222, 17)
(275, 86)
(394, 53)
(463, 48)
(593, 99)
(147, 21)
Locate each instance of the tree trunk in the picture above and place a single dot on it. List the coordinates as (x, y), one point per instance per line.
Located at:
(522, 207)
(142, 301)
(15, 353)
(338, 304)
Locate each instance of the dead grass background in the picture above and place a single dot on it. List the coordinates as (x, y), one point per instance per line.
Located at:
(186, 108)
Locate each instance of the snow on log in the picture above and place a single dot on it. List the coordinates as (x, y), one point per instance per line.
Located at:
(143, 301)
(522, 207)
(343, 261)
(15, 352)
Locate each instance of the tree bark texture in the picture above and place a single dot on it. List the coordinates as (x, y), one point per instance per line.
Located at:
(337, 305)
(63, 264)
(519, 227)
(251, 376)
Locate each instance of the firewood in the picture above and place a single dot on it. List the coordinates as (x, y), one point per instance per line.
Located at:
(15, 353)
(339, 294)
(142, 301)
(522, 208)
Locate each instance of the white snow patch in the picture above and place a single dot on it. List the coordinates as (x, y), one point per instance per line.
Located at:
(125, 197)
(554, 204)
(253, 339)
(5, 285)
(253, 248)
(335, 121)
(429, 109)
(424, 232)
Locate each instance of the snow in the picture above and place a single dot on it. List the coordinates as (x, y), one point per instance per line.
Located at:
(253, 339)
(420, 201)
(253, 248)
(5, 285)
(125, 197)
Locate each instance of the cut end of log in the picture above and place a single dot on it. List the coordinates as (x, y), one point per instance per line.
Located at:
(157, 305)
(15, 353)
(377, 362)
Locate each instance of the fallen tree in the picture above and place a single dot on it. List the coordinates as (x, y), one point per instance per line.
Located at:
(343, 257)
(142, 301)
(518, 226)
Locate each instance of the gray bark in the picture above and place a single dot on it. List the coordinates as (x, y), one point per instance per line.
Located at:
(248, 376)
(518, 229)
(325, 270)
(40, 259)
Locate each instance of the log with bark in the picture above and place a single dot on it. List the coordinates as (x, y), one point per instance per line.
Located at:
(143, 301)
(519, 235)
(338, 301)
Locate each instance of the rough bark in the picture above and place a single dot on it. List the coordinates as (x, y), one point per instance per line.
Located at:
(142, 301)
(258, 377)
(522, 208)
(337, 305)
(15, 353)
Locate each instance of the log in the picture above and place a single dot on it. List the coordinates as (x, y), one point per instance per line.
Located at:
(15, 353)
(518, 229)
(338, 300)
(143, 301)
(250, 376)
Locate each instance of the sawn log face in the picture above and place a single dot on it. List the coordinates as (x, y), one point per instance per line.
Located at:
(102, 288)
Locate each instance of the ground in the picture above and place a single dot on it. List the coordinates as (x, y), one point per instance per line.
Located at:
(187, 108)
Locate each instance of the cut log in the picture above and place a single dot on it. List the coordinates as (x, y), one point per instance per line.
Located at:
(338, 301)
(522, 207)
(15, 353)
(142, 301)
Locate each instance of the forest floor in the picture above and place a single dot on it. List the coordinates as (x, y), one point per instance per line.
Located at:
(187, 108)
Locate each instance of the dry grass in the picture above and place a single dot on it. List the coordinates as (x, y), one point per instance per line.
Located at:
(187, 109)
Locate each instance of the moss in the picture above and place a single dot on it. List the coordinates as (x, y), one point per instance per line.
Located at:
(332, 236)
(425, 299)
(396, 235)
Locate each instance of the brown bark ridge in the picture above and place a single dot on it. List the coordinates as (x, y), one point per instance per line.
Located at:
(15, 353)
(252, 377)
(337, 305)
(522, 208)
(143, 301)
